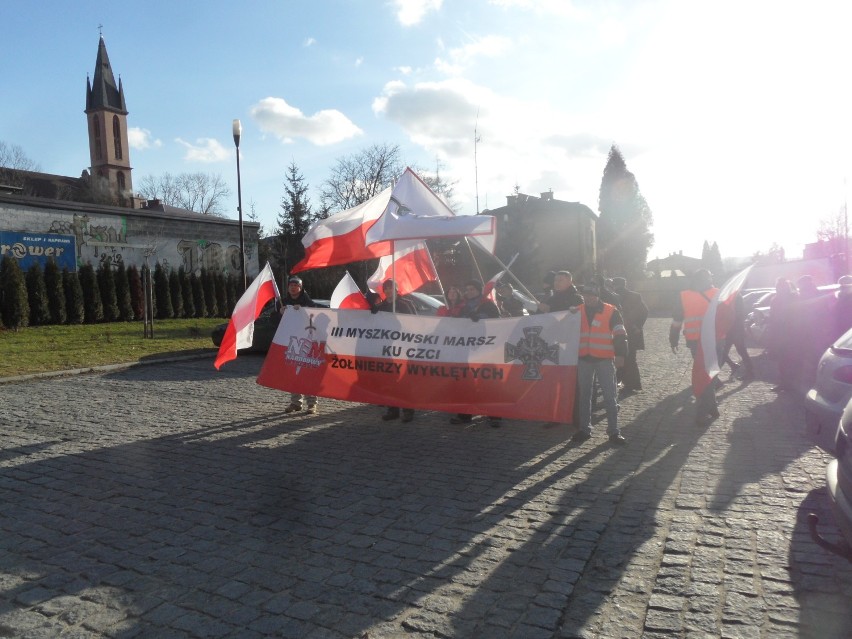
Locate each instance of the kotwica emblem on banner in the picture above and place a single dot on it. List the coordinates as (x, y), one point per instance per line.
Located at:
(532, 350)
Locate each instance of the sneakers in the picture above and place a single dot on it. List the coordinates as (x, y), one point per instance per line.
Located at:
(392, 413)
(312, 410)
(293, 408)
(617, 440)
(494, 422)
(461, 420)
(580, 436)
(407, 415)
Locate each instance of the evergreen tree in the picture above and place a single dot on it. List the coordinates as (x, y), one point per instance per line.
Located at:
(293, 222)
(149, 296)
(109, 299)
(197, 295)
(37, 296)
(231, 287)
(137, 295)
(122, 294)
(93, 310)
(176, 292)
(208, 284)
(55, 292)
(624, 227)
(186, 290)
(221, 294)
(13, 293)
(73, 297)
(162, 294)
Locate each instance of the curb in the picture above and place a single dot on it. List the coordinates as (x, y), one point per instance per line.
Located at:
(102, 369)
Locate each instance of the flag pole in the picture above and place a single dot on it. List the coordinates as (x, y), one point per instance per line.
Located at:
(505, 268)
(393, 275)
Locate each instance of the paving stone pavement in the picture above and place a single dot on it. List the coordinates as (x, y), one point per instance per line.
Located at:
(175, 501)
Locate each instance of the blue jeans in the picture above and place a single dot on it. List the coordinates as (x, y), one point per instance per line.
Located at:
(604, 370)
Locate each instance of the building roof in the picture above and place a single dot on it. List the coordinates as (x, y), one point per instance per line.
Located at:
(530, 204)
(102, 92)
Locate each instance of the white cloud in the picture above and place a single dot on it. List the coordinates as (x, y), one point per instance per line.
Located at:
(359, 61)
(490, 46)
(205, 150)
(141, 139)
(325, 127)
(522, 141)
(410, 12)
(309, 42)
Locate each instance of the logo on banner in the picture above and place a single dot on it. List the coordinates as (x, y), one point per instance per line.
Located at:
(532, 350)
(305, 351)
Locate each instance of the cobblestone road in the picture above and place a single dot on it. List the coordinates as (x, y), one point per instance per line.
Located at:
(172, 500)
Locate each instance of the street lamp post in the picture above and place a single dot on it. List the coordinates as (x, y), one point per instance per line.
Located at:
(238, 130)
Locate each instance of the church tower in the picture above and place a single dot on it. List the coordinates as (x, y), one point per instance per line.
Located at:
(108, 141)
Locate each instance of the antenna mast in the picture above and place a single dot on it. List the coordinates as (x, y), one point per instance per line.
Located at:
(476, 140)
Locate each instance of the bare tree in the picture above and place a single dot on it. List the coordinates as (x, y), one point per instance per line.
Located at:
(200, 192)
(358, 177)
(12, 159)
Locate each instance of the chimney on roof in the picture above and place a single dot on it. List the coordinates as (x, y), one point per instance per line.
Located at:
(154, 204)
(511, 199)
(547, 196)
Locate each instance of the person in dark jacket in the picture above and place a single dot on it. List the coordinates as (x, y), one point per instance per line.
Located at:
(508, 305)
(635, 313)
(404, 307)
(476, 307)
(297, 298)
(563, 296)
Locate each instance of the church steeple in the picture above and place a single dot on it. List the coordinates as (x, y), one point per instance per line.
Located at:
(106, 111)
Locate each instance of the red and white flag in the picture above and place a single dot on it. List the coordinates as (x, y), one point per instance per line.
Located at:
(718, 320)
(339, 238)
(347, 295)
(411, 266)
(416, 212)
(240, 329)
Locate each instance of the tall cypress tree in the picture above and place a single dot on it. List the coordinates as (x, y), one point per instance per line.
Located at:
(137, 301)
(176, 292)
(93, 310)
(161, 293)
(73, 297)
(221, 294)
(198, 295)
(186, 290)
(208, 285)
(55, 292)
(122, 293)
(106, 284)
(293, 222)
(37, 296)
(13, 292)
(624, 227)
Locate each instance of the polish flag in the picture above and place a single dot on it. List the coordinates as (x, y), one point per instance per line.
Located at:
(340, 238)
(416, 212)
(347, 295)
(240, 329)
(718, 320)
(410, 266)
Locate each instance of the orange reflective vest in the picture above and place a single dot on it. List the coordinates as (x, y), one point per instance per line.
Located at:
(596, 338)
(694, 307)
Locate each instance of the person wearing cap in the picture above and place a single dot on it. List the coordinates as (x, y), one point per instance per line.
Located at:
(603, 346)
(564, 295)
(404, 307)
(635, 313)
(688, 314)
(297, 298)
(476, 307)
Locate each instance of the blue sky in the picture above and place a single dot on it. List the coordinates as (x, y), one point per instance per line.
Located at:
(734, 116)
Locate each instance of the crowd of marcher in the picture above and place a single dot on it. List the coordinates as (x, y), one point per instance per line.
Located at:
(804, 322)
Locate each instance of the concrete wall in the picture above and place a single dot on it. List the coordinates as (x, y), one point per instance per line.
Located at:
(114, 235)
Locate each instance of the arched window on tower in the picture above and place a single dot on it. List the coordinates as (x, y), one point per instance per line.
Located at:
(96, 137)
(116, 136)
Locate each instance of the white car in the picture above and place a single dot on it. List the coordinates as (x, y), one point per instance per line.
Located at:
(832, 391)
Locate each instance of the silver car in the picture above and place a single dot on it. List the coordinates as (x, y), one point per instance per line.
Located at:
(838, 476)
(832, 391)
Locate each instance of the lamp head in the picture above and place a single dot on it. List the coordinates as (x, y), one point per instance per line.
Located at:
(238, 131)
